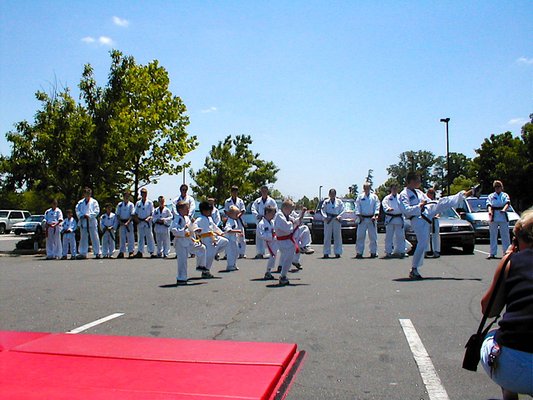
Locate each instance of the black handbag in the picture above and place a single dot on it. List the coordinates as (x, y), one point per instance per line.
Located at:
(473, 346)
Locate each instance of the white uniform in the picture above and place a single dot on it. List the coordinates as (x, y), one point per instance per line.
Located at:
(162, 230)
(108, 226)
(88, 226)
(187, 199)
(258, 210)
(53, 234)
(239, 203)
(394, 225)
(215, 216)
(367, 207)
(183, 230)
(208, 234)
(124, 213)
(232, 249)
(265, 230)
(500, 222)
(285, 228)
(69, 236)
(144, 228)
(409, 202)
(332, 226)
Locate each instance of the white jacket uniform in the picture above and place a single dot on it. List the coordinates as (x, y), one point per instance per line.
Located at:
(409, 202)
(367, 207)
(215, 216)
(53, 234)
(87, 213)
(499, 222)
(144, 228)
(69, 236)
(332, 226)
(265, 230)
(258, 210)
(209, 235)
(239, 203)
(124, 213)
(108, 226)
(183, 230)
(394, 225)
(285, 228)
(232, 249)
(162, 230)
(188, 199)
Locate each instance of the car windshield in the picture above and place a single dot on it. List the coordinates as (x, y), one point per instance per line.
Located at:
(35, 218)
(3, 214)
(349, 205)
(480, 205)
(449, 213)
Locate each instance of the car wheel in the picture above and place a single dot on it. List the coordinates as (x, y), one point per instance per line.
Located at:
(17, 232)
(2, 229)
(468, 248)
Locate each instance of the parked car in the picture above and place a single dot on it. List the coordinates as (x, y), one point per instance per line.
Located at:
(8, 218)
(33, 224)
(454, 232)
(474, 210)
(348, 223)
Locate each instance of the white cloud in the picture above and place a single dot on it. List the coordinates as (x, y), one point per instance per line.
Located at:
(517, 121)
(209, 110)
(121, 22)
(88, 39)
(525, 61)
(105, 41)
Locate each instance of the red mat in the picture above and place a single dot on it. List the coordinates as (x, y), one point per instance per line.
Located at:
(63, 366)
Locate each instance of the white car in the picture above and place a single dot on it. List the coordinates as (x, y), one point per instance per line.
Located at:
(8, 218)
(33, 224)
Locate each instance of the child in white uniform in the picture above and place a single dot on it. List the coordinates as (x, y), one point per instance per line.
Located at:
(233, 231)
(211, 237)
(69, 236)
(108, 226)
(265, 231)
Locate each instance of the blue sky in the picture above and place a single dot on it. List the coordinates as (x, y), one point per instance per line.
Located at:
(327, 90)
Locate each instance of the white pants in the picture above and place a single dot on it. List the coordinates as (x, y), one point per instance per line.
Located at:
(84, 238)
(367, 224)
(163, 242)
(287, 254)
(108, 244)
(232, 251)
(332, 229)
(503, 227)
(212, 249)
(272, 251)
(302, 236)
(260, 244)
(69, 240)
(394, 237)
(128, 236)
(53, 242)
(421, 228)
(241, 242)
(182, 253)
(144, 234)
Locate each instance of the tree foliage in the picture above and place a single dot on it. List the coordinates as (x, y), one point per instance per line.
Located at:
(460, 165)
(232, 162)
(421, 161)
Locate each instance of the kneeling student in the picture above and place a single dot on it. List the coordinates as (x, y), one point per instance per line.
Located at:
(184, 231)
(265, 231)
(211, 237)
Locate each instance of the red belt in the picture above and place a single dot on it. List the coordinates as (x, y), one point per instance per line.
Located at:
(291, 238)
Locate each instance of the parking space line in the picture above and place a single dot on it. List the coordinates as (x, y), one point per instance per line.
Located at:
(483, 252)
(427, 371)
(94, 323)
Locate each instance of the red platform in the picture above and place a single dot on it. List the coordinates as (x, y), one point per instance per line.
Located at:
(64, 366)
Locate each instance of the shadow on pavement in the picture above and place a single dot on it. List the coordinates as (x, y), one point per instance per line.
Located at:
(437, 278)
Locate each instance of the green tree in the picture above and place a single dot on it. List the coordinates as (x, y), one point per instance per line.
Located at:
(353, 191)
(461, 183)
(421, 161)
(232, 162)
(370, 178)
(384, 188)
(460, 165)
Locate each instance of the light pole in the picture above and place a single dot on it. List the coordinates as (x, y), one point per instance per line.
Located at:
(446, 120)
(320, 193)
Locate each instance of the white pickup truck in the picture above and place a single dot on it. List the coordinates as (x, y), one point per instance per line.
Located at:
(8, 218)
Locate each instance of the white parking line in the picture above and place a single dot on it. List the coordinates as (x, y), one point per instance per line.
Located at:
(94, 323)
(483, 252)
(427, 371)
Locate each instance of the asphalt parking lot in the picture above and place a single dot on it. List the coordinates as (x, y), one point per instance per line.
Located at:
(352, 317)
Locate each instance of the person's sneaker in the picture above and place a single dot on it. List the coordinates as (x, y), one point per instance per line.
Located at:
(98, 256)
(153, 256)
(491, 257)
(131, 255)
(374, 255)
(297, 265)
(242, 256)
(414, 275)
(64, 257)
(387, 256)
(358, 256)
(180, 282)
(279, 269)
(428, 254)
(207, 275)
(200, 268)
(404, 255)
(258, 257)
(139, 255)
(283, 281)
(120, 255)
(307, 250)
(326, 256)
(233, 268)
(72, 258)
(337, 256)
(268, 277)
(436, 254)
(81, 257)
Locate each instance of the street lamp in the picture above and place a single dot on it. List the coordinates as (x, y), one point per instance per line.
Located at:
(446, 120)
(320, 193)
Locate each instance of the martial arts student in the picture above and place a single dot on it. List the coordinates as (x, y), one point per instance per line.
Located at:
(144, 210)
(367, 209)
(108, 226)
(87, 211)
(162, 219)
(331, 211)
(53, 217)
(69, 236)
(265, 230)
(211, 236)
(125, 212)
